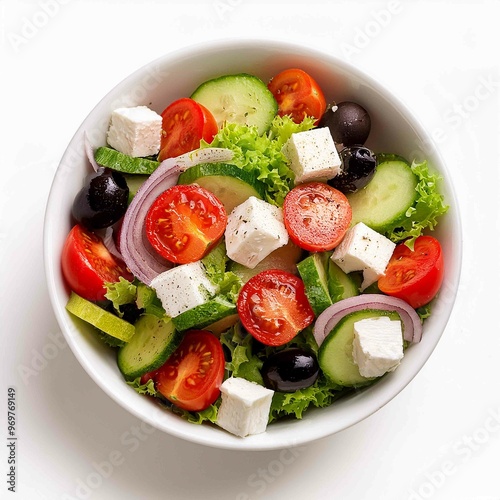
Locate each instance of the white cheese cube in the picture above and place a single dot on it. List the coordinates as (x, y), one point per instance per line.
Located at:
(363, 249)
(135, 131)
(312, 155)
(254, 229)
(245, 406)
(183, 287)
(377, 347)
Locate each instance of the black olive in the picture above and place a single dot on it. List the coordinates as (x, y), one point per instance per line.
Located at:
(103, 199)
(290, 370)
(358, 168)
(349, 124)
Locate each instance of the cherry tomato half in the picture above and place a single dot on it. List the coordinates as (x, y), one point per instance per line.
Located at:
(414, 276)
(273, 307)
(184, 124)
(317, 216)
(185, 222)
(298, 95)
(87, 264)
(192, 375)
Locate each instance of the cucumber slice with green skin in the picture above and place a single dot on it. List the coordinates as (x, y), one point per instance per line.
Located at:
(204, 315)
(154, 341)
(103, 320)
(335, 353)
(242, 98)
(134, 182)
(115, 160)
(229, 183)
(342, 285)
(312, 270)
(384, 201)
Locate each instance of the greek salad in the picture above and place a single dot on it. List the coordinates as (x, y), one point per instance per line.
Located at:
(246, 254)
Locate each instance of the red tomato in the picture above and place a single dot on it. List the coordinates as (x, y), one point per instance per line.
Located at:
(87, 264)
(414, 276)
(298, 95)
(192, 375)
(273, 307)
(185, 222)
(185, 123)
(317, 216)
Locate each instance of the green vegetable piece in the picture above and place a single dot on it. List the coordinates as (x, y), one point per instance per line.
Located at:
(134, 182)
(103, 320)
(242, 98)
(312, 270)
(342, 285)
(204, 314)
(385, 200)
(335, 353)
(155, 340)
(231, 184)
(115, 160)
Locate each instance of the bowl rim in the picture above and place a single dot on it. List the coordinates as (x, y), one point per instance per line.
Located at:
(389, 391)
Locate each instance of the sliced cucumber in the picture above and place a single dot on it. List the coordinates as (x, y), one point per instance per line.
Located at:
(387, 197)
(312, 270)
(242, 98)
(229, 183)
(103, 320)
(154, 341)
(335, 353)
(134, 182)
(204, 314)
(342, 285)
(115, 160)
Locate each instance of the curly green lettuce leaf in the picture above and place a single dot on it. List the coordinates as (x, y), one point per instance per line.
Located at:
(426, 210)
(215, 266)
(261, 154)
(120, 293)
(243, 362)
(198, 417)
(148, 388)
(294, 404)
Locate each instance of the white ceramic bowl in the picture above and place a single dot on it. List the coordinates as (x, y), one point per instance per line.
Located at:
(176, 75)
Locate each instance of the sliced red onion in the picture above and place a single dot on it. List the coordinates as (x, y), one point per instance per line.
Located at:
(326, 321)
(89, 151)
(109, 242)
(139, 255)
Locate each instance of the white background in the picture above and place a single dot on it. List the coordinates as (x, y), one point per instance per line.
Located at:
(440, 438)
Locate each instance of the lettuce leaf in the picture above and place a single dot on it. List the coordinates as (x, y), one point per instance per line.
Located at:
(215, 266)
(320, 395)
(426, 210)
(198, 417)
(147, 388)
(261, 154)
(243, 362)
(120, 293)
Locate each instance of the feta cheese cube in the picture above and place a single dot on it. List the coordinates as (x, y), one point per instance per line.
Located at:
(245, 406)
(377, 347)
(183, 287)
(135, 131)
(363, 249)
(254, 229)
(312, 155)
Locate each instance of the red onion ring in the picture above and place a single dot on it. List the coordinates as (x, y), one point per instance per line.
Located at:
(326, 321)
(138, 254)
